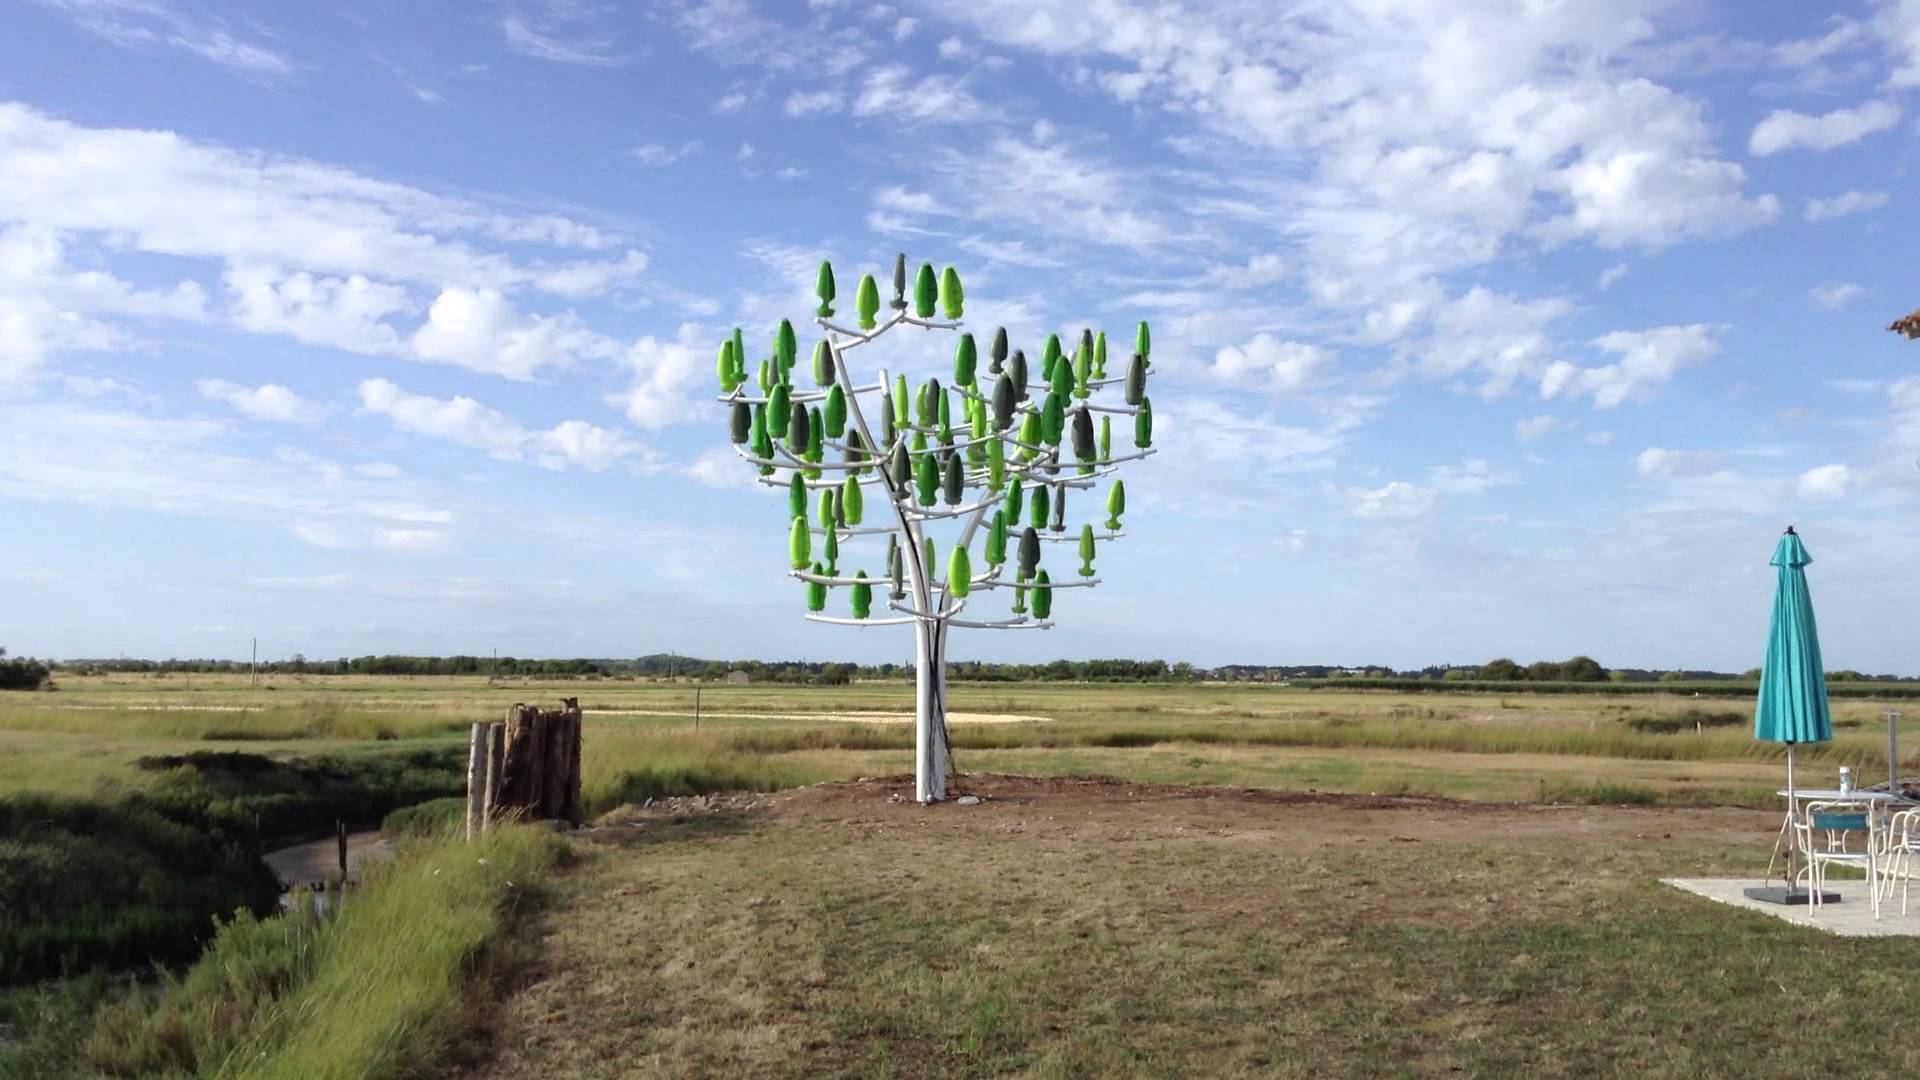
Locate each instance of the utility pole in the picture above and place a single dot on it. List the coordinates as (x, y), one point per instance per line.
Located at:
(253, 665)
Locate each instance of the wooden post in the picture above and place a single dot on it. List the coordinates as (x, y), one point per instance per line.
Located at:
(496, 751)
(570, 807)
(340, 834)
(696, 706)
(539, 771)
(476, 776)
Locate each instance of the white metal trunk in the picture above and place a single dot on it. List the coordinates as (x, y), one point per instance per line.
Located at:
(929, 713)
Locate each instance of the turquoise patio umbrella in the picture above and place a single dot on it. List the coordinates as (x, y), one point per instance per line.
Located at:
(1793, 684)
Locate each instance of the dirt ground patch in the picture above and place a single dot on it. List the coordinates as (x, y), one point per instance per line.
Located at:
(1094, 805)
(834, 717)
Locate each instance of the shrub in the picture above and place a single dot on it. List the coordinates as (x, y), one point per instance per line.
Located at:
(1686, 720)
(21, 673)
(88, 883)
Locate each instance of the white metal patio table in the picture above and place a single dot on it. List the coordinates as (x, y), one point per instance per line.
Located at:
(1799, 797)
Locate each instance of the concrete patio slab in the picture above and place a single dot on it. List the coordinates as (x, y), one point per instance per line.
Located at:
(1851, 917)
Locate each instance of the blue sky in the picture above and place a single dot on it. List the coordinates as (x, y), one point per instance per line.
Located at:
(1487, 328)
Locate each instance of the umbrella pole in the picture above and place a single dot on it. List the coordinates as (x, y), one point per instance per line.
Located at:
(1792, 841)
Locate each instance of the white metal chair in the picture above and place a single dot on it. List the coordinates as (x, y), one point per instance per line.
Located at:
(1824, 833)
(1902, 844)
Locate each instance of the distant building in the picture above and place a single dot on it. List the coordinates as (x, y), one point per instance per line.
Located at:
(738, 678)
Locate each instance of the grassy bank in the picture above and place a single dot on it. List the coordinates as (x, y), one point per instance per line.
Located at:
(134, 874)
(374, 992)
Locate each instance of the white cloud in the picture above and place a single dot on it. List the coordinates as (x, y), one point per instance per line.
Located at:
(197, 200)
(47, 306)
(149, 464)
(344, 313)
(807, 103)
(1648, 359)
(724, 470)
(1293, 540)
(731, 102)
(481, 330)
(1397, 500)
(1502, 337)
(466, 421)
(1824, 482)
(1273, 363)
(1659, 461)
(1784, 129)
(379, 470)
(411, 541)
(558, 33)
(891, 91)
(1847, 202)
(1599, 438)
(269, 402)
(1469, 477)
(659, 155)
(1834, 295)
(143, 24)
(1257, 272)
(904, 27)
(1533, 427)
(661, 374)
(1611, 275)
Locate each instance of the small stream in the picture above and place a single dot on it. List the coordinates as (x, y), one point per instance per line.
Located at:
(316, 863)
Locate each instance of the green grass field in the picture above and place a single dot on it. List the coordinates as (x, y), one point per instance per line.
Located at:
(951, 967)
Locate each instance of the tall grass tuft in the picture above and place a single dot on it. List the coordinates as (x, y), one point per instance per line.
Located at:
(373, 992)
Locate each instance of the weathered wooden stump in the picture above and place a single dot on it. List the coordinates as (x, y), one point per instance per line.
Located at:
(527, 768)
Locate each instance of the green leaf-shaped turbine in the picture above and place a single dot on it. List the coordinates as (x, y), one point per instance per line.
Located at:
(1136, 379)
(866, 301)
(953, 484)
(823, 288)
(997, 539)
(964, 360)
(862, 595)
(1116, 505)
(852, 506)
(822, 363)
(953, 300)
(741, 422)
(1042, 596)
(959, 572)
(786, 347)
(816, 592)
(724, 367)
(1143, 424)
(1086, 550)
(926, 477)
(779, 409)
(799, 541)
(797, 496)
(1038, 504)
(835, 413)
(926, 292)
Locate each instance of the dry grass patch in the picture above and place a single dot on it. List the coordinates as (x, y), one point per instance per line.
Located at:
(1071, 928)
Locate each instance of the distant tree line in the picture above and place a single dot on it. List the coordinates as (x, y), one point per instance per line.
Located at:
(1579, 669)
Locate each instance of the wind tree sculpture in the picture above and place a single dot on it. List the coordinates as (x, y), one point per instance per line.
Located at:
(984, 451)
